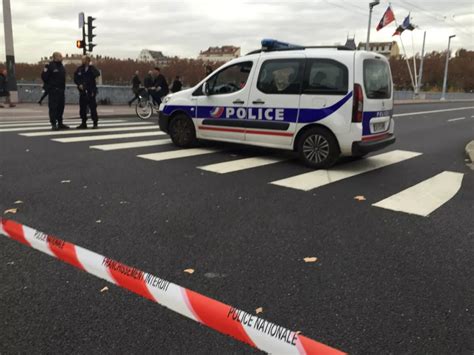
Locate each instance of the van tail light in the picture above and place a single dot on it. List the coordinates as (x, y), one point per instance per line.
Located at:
(358, 104)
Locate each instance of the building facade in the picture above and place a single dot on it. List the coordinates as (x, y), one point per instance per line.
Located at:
(387, 49)
(156, 57)
(219, 54)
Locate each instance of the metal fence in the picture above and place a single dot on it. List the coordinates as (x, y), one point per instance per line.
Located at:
(117, 95)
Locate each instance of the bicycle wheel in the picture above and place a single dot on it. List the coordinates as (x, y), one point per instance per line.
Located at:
(144, 109)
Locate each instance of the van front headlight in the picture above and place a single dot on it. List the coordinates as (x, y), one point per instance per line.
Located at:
(166, 99)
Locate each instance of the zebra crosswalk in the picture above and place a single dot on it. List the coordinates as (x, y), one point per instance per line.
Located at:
(422, 199)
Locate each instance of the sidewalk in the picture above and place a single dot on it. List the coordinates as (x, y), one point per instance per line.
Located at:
(35, 111)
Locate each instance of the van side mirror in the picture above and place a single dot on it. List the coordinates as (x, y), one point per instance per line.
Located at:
(205, 89)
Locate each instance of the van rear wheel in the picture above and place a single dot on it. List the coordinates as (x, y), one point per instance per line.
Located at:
(317, 148)
(182, 132)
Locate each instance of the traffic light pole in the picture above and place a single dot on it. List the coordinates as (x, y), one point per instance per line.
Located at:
(9, 51)
(84, 49)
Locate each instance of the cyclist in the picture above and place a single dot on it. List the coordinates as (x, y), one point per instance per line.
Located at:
(160, 86)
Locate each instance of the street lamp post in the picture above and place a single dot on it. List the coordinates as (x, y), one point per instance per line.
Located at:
(9, 52)
(445, 81)
(371, 6)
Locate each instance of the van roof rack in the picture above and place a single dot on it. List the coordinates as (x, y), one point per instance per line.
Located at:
(272, 45)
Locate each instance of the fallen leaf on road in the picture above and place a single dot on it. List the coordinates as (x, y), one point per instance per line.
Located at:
(104, 289)
(189, 271)
(310, 259)
(359, 198)
(17, 202)
(259, 310)
(98, 221)
(11, 210)
(65, 181)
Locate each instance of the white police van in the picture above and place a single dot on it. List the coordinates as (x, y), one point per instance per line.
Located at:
(321, 102)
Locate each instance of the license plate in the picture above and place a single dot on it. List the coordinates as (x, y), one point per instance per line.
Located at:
(378, 127)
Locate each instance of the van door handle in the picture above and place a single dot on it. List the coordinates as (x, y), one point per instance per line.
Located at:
(238, 102)
(258, 102)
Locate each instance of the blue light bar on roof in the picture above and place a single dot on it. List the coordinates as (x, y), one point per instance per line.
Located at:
(273, 44)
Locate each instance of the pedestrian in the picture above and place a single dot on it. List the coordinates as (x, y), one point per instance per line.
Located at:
(160, 86)
(45, 93)
(85, 79)
(135, 87)
(54, 79)
(4, 92)
(177, 84)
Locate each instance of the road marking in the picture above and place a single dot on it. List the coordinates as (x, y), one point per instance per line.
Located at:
(433, 111)
(108, 137)
(48, 127)
(177, 154)
(427, 196)
(11, 124)
(129, 145)
(88, 131)
(456, 119)
(240, 164)
(228, 320)
(318, 178)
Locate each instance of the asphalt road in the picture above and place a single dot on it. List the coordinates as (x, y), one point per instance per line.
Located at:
(385, 282)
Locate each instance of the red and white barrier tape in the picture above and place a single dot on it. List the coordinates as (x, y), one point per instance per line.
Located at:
(239, 324)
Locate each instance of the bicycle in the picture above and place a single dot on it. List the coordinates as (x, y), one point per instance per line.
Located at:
(145, 105)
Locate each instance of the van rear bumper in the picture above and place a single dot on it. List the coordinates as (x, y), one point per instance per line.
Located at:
(364, 147)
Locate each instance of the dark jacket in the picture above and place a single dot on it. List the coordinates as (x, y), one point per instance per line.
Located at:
(86, 78)
(160, 82)
(148, 81)
(177, 85)
(3, 85)
(136, 82)
(54, 76)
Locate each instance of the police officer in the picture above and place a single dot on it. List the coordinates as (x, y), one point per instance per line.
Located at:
(54, 78)
(85, 77)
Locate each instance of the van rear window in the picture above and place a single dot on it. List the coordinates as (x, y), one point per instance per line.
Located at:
(377, 80)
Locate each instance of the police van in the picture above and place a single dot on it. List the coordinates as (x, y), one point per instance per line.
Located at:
(321, 102)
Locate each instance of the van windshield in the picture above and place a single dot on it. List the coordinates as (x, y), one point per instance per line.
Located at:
(377, 81)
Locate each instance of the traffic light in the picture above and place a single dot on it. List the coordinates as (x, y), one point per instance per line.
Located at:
(90, 29)
(91, 46)
(80, 43)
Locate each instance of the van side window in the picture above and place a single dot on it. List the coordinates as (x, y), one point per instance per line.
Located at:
(325, 77)
(281, 76)
(230, 79)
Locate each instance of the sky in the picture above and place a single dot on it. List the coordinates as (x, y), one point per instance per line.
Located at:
(184, 27)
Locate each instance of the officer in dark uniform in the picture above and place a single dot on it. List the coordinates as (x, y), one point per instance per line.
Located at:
(160, 86)
(85, 77)
(54, 78)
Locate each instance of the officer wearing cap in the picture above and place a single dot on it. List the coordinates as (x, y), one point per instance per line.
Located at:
(54, 78)
(85, 77)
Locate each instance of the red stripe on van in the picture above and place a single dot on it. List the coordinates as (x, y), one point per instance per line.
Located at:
(283, 134)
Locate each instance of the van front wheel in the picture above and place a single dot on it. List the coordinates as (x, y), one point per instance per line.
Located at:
(318, 148)
(182, 131)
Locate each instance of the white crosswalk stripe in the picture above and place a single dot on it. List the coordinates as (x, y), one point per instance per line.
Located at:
(240, 164)
(318, 178)
(176, 154)
(48, 128)
(131, 145)
(89, 131)
(108, 137)
(427, 196)
(44, 123)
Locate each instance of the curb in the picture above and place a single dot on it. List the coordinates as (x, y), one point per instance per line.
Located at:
(470, 150)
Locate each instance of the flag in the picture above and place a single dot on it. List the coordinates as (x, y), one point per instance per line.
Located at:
(387, 18)
(406, 25)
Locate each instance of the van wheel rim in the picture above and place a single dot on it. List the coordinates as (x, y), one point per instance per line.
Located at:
(316, 148)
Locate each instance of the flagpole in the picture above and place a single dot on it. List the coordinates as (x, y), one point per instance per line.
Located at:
(420, 78)
(414, 61)
(405, 53)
